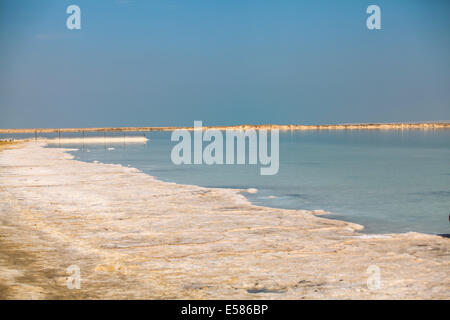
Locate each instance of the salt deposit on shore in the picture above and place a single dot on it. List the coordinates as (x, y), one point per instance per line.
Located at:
(95, 140)
(133, 236)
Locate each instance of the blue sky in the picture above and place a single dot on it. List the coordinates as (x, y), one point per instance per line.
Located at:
(139, 63)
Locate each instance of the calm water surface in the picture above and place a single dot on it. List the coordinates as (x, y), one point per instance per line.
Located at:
(390, 181)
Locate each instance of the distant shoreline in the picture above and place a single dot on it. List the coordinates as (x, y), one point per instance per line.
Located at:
(355, 126)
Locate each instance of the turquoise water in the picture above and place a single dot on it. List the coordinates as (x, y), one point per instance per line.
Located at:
(390, 181)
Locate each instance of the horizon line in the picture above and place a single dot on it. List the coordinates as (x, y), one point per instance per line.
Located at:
(443, 124)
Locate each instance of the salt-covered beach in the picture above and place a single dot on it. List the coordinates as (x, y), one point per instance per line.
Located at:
(135, 237)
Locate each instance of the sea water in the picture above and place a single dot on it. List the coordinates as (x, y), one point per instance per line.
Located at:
(387, 181)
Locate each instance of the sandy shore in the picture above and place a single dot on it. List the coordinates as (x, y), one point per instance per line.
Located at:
(133, 236)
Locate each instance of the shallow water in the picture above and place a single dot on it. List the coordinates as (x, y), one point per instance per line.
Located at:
(387, 181)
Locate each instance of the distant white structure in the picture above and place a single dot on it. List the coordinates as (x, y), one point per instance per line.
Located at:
(95, 140)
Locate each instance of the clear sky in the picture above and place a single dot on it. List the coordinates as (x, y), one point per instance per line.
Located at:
(144, 63)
